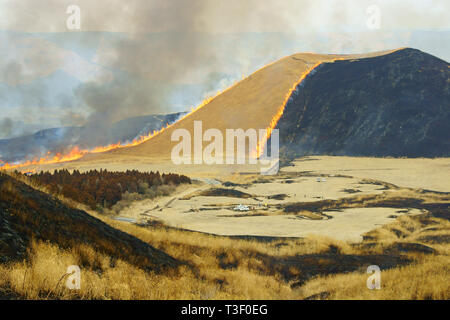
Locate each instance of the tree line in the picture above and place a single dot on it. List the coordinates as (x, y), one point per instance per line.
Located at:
(103, 188)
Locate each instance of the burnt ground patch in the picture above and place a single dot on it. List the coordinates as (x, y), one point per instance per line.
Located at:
(444, 238)
(232, 184)
(391, 105)
(280, 196)
(301, 268)
(298, 269)
(351, 191)
(440, 209)
(222, 192)
(410, 247)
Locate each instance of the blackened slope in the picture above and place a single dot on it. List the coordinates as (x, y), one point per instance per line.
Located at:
(26, 214)
(392, 105)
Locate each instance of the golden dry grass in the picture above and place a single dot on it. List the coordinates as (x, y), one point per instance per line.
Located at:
(41, 279)
(427, 279)
(226, 268)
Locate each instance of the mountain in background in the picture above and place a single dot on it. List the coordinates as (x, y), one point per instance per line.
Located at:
(391, 105)
(36, 96)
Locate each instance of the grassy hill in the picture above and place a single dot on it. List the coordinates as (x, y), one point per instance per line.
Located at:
(29, 215)
(250, 103)
(41, 236)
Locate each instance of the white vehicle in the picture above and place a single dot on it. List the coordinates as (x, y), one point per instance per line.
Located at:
(241, 208)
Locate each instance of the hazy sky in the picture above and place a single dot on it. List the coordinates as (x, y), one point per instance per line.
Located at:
(139, 57)
(222, 15)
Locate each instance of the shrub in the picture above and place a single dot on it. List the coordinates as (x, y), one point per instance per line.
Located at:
(103, 188)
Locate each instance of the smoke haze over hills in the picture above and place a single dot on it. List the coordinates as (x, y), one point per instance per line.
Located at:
(153, 57)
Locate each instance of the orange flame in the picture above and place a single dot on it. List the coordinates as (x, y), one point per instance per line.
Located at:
(77, 153)
(274, 121)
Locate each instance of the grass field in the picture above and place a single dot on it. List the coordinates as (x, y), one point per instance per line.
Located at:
(223, 268)
(412, 247)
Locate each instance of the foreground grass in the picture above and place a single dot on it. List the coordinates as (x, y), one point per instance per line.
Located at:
(43, 277)
(214, 267)
(426, 279)
(224, 268)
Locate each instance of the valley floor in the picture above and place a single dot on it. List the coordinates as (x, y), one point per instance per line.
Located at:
(310, 233)
(309, 179)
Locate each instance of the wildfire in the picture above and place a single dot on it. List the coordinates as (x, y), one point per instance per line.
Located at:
(277, 116)
(273, 123)
(77, 153)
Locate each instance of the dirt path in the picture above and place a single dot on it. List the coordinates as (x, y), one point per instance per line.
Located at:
(142, 210)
